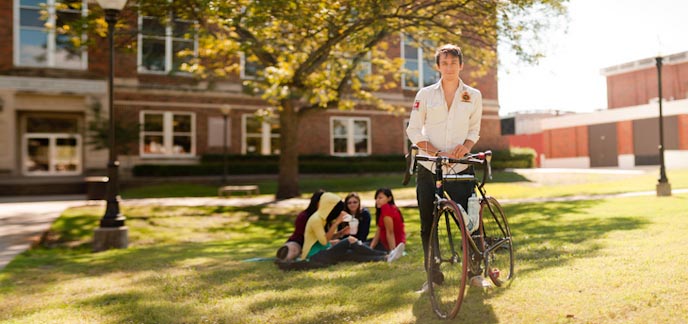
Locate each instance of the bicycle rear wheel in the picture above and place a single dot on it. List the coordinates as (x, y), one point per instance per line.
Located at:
(499, 249)
(447, 261)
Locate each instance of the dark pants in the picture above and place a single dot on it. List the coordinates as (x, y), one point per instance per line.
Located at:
(459, 191)
(345, 251)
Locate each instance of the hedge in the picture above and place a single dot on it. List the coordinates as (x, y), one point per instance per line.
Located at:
(313, 164)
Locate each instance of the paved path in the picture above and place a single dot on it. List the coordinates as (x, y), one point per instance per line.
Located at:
(24, 219)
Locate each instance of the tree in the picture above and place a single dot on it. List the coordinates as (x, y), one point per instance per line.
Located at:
(310, 50)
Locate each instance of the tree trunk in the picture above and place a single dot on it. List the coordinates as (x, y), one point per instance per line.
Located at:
(288, 181)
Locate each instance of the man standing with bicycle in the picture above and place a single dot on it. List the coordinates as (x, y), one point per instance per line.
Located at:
(445, 121)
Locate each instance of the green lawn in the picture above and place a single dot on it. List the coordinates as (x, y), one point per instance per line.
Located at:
(601, 261)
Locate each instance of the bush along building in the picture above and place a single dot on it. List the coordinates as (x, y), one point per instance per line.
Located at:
(53, 97)
(627, 133)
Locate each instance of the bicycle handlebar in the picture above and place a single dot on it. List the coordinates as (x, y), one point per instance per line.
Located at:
(412, 158)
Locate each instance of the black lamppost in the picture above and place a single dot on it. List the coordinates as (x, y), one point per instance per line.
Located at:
(112, 233)
(663, 185)
(225, 112)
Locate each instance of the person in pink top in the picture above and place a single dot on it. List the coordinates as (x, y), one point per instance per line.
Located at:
(390, 232)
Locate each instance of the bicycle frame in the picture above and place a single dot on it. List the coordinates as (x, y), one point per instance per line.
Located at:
(483, 159)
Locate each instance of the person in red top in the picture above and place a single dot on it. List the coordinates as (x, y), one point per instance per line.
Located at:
(390, 223)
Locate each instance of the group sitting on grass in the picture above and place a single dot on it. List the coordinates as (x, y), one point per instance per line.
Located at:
(330, 231)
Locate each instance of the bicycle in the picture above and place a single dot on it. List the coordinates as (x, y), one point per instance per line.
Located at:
(453, 251)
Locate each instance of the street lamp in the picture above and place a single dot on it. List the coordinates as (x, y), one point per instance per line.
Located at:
(225, 109)
(663, 185)
(112, 233)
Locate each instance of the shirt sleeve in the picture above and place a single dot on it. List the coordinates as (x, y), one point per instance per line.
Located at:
(475, 118)
(318, 230)
(417, 119)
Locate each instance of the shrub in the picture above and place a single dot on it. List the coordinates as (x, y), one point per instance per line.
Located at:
(211, 164)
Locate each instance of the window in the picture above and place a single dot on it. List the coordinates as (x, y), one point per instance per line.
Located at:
(51, 145)
(350, 136)
(364, 68)
(37, 46)
(421, 74)
(260, 137)
(167, 134)
(249, 68)
(160, 45)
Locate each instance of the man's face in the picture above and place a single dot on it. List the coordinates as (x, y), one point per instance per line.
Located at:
(449, 66)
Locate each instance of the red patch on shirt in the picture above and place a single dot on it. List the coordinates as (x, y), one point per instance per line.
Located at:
(416, 105)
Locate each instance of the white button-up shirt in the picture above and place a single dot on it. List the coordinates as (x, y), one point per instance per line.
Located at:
(431, 120)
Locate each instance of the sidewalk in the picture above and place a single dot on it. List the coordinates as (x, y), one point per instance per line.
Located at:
(24, 219)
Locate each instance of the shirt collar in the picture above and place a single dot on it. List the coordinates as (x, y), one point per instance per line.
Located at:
(438, 86)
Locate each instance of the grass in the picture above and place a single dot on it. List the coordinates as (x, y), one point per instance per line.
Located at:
(598, 261)
(505, 185)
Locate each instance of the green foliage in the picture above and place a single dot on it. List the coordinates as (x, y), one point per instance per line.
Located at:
(513, 158)
(126, 134)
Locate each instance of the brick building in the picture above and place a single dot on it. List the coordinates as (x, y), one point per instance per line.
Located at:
(48, 92)
(626, 134)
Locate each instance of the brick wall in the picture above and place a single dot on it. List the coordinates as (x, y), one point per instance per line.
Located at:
(566, 142)
(6, 36)
(638, 87)
(624, 137)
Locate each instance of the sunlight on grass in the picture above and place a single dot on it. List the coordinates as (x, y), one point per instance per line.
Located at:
(600, 261)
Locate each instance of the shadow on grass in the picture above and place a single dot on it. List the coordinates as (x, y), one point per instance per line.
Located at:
(172, 280)
(550, 234)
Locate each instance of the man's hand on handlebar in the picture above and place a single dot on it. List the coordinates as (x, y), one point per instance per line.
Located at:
(459, 151)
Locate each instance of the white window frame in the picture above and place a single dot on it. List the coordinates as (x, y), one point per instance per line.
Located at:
(167, 134)
(350, 136)
(420, 70)
(52, 137)
(169, 42)
(51, 35)
(265, 136)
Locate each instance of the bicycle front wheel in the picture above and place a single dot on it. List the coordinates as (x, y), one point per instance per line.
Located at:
(499, 248)
(447, 261)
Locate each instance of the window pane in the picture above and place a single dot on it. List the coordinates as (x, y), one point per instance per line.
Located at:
(177, 48)
(361, 145)
(181, 145)
(31, 18)
(51, 125)
(152, 27)
(251, 68)
(411, 78)
(275, 127)
(66, 54)
(153, 123)
(429, 73)
(38, 151)
(34, 3)
(339, 128)
(153, 54)
(253, 126)
(253, 145)
(33, 49)
(360, 128)
(153, 144)
(275, 145)
(66, 17)
(181, 123)
(180, 28)
(410, 53)
(340, 145)
(66, 158)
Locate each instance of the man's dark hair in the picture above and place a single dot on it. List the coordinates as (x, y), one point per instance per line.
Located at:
(449, 49)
